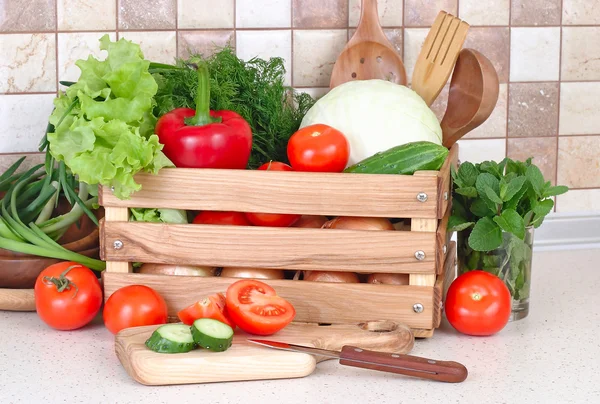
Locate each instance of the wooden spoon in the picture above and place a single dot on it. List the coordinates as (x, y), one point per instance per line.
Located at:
(473, 95)
(368, 54)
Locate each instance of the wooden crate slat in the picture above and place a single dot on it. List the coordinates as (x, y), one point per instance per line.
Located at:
(320, 302)
(114, 215)
(450, 268)
(442, 242)
(444, 193)
(263, 247)
(283, 192)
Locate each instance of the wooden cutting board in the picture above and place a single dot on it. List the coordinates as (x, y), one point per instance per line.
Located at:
(248, 361)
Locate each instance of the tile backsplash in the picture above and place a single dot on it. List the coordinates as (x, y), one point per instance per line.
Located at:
(546, 52)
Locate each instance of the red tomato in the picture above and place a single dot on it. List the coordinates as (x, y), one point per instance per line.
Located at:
(133, 306)
(255, 307)
(224, 218)
(273, 219)
(318, 147)
(212, 306)
(67, 295)
(478, 303)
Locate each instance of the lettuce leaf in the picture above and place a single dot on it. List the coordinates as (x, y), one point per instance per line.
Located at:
(104, 125)
(159, 215)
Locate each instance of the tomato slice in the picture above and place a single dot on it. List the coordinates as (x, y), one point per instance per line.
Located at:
(255, 307)
(212, 306)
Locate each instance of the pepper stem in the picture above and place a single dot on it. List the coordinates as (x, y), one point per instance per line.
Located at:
(202, 116)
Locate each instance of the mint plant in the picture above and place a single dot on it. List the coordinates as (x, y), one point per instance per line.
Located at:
(493, 205)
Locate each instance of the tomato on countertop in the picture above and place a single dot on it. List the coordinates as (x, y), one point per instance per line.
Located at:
(68, 295)
(478, 303)
(255, 307)
(133, 306)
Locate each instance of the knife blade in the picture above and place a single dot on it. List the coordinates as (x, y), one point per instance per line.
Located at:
(409, 365)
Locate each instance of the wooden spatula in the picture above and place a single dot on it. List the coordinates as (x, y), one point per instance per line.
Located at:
(368, 54)
(438, 56)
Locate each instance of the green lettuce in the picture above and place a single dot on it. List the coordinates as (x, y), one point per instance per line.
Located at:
(176, 216)
(104, 125)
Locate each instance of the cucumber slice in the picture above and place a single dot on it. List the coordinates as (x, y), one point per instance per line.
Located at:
(212, 334)
(171, 338)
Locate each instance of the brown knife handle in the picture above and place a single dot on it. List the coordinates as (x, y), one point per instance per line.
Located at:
(443, 371)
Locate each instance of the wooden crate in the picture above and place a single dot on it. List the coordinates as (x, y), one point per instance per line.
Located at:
(421, 252)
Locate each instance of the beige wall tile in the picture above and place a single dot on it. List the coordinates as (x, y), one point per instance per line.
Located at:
(534, 54)
(194, 14)
(579, 161)
(24, 119)
(320, 13)
(493, 42)
(31, 159)
(204, 42)
(478, 12)
(422, 13)
(533, 109)
(265, 45)
(263, 13)
(394, 35)
(147, 14)
(413, 42)
(579, 106)
(478, 150)
(542, 149)
(495, 125)
(579, 200)
(160, 46)
(86, 15)
(73, 46)
(581, 12)
(441, 103)
(580, 53)
(315, 52)
(27, 62)
(30, 15)
(535, 12)
(390, 12)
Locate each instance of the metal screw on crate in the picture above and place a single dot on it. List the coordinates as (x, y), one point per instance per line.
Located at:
(418, 308)
(112, 189)
(421, 197)
(446, 195)
(420, 255)
(118, 244)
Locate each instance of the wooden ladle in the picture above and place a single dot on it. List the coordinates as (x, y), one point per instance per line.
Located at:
(473, 95)
(368, 54)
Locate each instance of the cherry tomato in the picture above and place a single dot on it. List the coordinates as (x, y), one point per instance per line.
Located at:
(67, 295)
(478, 303)
(224, 218)
(318, 147)
(212, 306)
(273, 219)
(133, 306)
(255, 307)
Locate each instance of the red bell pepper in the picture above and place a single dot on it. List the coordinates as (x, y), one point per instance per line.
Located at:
(205, 138)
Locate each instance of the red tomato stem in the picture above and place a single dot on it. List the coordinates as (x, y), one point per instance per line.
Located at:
(62, 283)
(202, 116)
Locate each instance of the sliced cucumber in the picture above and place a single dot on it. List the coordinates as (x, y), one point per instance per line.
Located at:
(171, 338)
(212, 334)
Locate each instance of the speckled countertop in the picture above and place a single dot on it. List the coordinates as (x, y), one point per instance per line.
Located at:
(552, 356)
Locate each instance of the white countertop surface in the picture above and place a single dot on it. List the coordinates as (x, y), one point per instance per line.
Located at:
(552, 356)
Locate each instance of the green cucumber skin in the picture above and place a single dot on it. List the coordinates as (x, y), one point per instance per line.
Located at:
(211, 343)
(161, 345)
(404, 159)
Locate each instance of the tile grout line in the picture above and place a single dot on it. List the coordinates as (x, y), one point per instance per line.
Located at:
(558, 103)
(291, 43)
(117, 19)
(177, 26)
(56, 46)
(234, 25)
(508, 83)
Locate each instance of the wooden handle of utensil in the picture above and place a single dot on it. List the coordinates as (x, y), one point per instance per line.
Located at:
(443, 371)
(17, 300)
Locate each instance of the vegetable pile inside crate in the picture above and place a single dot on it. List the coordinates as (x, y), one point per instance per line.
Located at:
(418, 205)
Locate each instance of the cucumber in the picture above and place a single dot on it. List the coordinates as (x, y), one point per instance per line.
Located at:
(171, 338)
(403, 159)
(212, 334)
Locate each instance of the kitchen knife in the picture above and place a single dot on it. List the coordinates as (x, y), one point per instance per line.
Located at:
(443, 371)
